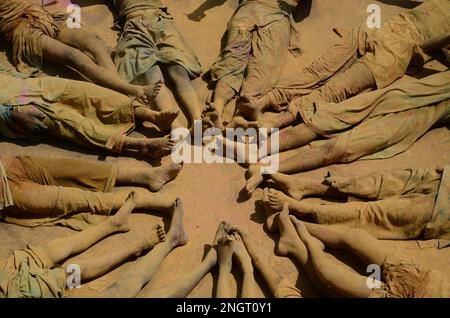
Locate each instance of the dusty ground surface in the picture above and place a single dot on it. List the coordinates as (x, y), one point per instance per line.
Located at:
(211, 192)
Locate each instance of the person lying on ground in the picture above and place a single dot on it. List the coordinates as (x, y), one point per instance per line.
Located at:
(79, 112)
(37, 35)
(43, 191)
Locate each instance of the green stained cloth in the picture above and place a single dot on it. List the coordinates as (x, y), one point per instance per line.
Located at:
(258, 37)
(29, 273)
(149, 36)
(23, 23)
(125, 7)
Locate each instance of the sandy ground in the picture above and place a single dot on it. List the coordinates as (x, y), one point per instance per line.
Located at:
(211, 192)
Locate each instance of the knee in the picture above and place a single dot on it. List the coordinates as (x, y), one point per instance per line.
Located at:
(154, 75)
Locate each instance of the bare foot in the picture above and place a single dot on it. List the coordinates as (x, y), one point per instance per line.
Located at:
(271, 223)
(162, 202)
(241, 152)
(290, 185)
(305, 236)
(120, 220)
(211, 255)
(149, 92)
(254, 178)
(251, 107)
(241, 254)
(159, 176)
(157, 147)
(149, 240)
(241, 122)
(288, 235)
(277, 199)
(177, 235)
(213, 116)
(225, 252)
(161, 232)
(162, 120)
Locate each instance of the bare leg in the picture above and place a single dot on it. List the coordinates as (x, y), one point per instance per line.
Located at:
(278, 199)
(271, 214)
(184, 287)
(249, 106)
(365, 246)
(257, 103)
(345, 282)
(95, 267)
(222, 95)
(238, 151)
(60, 249)
(295, 137)
(130, 284)
(260, 261)
(291, 245)
(88, 41)
(152, 147)
(225, 255)
(163, 101)
(305, 159)
(254, 179)
(214, 119)
(58, 52)
(145, 200)
(283, 119)
(185, 91)
(163, 120)
(298, 188)
(245, 262)
(153, 178)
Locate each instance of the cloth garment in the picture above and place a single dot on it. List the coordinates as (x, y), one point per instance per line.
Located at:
(29, 273)
(328, 118)
(6, 198)
(45, 192)
(258, 37)
(23, 23)
(396, 204)
(384, 136)
(149, 36)
(387, 52)
(382, 123)
(76, 111)
(286, 289)
(405, 277)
